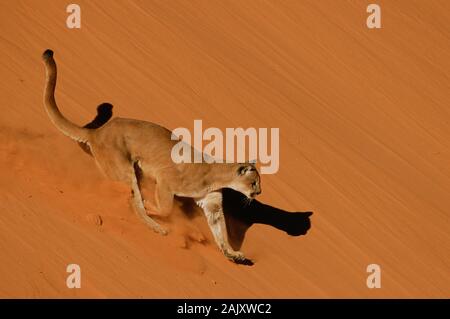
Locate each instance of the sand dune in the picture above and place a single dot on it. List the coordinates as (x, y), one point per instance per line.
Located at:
(364, 141)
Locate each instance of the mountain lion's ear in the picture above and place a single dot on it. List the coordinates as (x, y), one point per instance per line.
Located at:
(253, 162)
(243, 169)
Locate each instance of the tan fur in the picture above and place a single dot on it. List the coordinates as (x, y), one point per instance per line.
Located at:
(126, 150)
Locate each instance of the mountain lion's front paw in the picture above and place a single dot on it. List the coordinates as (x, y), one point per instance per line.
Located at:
(238, 258)
(158, 229)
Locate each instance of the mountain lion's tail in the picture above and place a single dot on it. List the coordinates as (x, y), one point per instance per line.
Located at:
(64, 125)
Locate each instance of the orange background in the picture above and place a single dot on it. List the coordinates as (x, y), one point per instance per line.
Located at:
(364, 139)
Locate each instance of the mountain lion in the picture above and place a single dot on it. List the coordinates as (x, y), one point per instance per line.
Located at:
(127, 150)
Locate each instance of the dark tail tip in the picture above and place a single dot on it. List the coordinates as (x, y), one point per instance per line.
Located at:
(47, 54)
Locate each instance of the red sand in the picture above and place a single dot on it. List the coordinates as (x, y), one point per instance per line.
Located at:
(365, 144)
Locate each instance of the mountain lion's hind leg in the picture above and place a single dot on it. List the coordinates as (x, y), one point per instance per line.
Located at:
(212, 207)
(163, 200)
(138, 205)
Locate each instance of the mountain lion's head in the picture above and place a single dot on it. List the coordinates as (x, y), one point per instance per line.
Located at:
(247, 180)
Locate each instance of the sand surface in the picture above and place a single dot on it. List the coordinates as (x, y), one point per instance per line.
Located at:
(364, 143)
